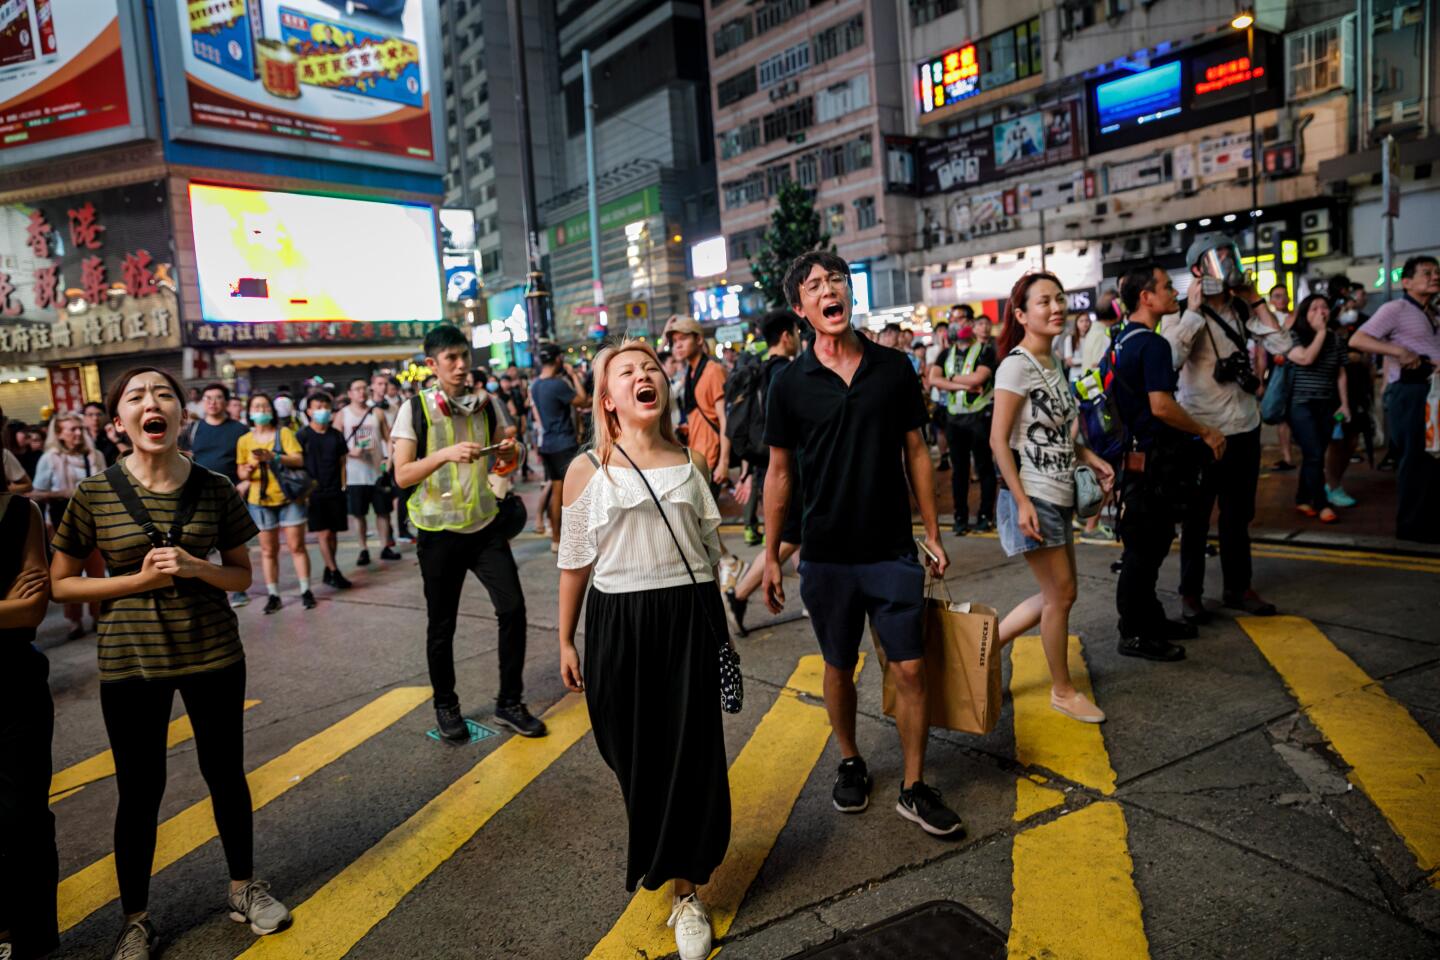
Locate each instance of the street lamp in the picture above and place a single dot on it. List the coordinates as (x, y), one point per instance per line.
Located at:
(1245, 20)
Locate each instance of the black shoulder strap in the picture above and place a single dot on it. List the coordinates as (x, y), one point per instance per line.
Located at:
(651, 490)
(189, 500)
(420, 425)
(1235, 338)
(355, 429)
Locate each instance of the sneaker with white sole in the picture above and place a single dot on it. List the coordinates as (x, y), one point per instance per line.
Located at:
(4, 950)
(691, 923)
(1077, 706)
(730, 570)
(922, 804)
(253, 904)
(138, 941)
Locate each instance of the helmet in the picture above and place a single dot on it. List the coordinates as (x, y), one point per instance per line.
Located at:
(1218, 258)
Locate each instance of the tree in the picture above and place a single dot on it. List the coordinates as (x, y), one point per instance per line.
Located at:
(794, 229)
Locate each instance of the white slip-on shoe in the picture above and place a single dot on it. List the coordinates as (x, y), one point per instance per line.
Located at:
(692, 928)
(1077, 707)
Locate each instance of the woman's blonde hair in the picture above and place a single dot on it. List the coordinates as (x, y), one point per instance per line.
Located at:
(52, 438)
(605, 428)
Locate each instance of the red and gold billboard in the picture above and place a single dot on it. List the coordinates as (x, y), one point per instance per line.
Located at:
(355, 81)
(69, 77)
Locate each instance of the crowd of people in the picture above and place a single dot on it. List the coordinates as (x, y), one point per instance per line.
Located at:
(148, 506)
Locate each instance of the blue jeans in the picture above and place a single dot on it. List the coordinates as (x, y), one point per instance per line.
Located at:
(1405, 423)
(1311, 423)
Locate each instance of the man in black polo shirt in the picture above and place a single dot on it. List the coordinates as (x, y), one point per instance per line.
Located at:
(848, 415)
(1162, 466)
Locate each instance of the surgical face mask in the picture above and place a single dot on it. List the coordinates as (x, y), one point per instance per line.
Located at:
(1349, 317)
(1211, 286)
(284, 407)
(492, 386)
(261, 419)
(322, 415)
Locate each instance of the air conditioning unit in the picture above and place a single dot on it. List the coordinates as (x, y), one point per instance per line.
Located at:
(1111, 251)
(1188, 186)
(1314, 245)
(1163, 242)
(1314, 221)
(1269, 233)
(1137, 246)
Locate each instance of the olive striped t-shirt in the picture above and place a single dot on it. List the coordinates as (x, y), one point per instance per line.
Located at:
(182, 629)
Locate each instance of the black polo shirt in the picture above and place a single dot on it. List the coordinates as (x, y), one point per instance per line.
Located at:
(849, 443)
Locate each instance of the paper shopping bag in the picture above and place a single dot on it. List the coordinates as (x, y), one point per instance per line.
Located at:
(962, 668)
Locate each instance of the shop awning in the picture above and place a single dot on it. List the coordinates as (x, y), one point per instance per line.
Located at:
(317, 355)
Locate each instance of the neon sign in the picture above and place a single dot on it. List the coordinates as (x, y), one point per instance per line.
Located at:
(1227, 74)
(949, 78)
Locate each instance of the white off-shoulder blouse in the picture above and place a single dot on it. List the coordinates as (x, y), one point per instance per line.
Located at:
(615, 525)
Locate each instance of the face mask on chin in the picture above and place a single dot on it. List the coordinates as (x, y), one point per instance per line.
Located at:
(467, 404)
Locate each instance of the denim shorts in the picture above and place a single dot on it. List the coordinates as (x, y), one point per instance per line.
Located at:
(840, 596)
(268, 518)
(1055, 529)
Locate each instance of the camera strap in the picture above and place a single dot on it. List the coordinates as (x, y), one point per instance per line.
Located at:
(1235, 338)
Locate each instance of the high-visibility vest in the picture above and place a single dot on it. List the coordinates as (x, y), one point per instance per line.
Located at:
(440, 501)
(961, 401)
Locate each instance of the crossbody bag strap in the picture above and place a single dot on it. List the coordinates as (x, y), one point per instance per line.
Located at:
(651, 490)
(130, 500)
(1235, 339)
(355, 429)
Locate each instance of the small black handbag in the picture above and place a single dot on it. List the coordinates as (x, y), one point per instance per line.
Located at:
(732, 684)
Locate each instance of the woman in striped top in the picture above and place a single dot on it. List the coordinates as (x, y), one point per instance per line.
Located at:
(165, 626)
(1317, 400)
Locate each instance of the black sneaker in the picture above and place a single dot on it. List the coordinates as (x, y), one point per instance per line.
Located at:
(137, 941)
(452, 725)
(737, 611)
(984, 525)
(753, 537)
(518, 718)
(922, 804)
(1151, 648)
(307, 599)
(389, 554)
(338, 581)
(325, 577)
(272, 603)
(960, 527)
(852, 786)
(364, 559)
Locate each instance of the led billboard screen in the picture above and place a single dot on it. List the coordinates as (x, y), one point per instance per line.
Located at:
(1139, 98)
(69, 77)
(334, 80)
(263, 256)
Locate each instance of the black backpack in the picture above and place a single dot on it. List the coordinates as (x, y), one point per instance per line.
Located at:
(745, 408)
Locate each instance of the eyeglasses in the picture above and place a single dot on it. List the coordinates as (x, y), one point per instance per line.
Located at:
(836, 281)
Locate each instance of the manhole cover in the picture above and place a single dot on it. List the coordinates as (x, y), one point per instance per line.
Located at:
(478, 732)
(940, 930)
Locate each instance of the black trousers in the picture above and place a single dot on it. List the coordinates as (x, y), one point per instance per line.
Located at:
(29, 864)
(445, 559)
(1312, 422)
(137, 716)
(1231, 480)
(1414, 470)
(1146, 528)
(969, 435)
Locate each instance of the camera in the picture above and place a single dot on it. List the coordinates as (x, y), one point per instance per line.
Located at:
(1236, 369)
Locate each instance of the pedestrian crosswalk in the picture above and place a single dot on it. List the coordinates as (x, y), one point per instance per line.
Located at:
(1073, 892)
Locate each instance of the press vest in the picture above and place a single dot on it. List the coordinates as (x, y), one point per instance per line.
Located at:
(440, 501)
(960, 401)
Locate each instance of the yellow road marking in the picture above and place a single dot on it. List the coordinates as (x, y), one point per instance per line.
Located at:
(87, 890)
(349, 906)
(1046, 738)
(1414, 564)
(69, 781)
(1074, 893)
(1391, 757)
(765, 781)
(1032, 797)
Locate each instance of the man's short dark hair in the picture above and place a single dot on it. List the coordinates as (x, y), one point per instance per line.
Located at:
(800, 267)
(1137, 280)
(319, 396)
(892, 328)
(966, 309)
(1407, 272)
(224, 390)
(775, 325)
(942, 323)
(93, 405)
(442, 338)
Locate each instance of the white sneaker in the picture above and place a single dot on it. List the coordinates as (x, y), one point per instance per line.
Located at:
(254, 905)
(4, 951)
(729, 572)
(692, 928)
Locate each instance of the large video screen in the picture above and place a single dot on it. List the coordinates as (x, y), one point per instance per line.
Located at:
(1139, 98)
(69, 77)
(262, 255)
(335, 79)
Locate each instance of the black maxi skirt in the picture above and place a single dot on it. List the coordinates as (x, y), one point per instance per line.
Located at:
(653, 691)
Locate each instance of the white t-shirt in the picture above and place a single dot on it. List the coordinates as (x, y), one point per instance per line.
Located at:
(361, 471)
(932, 358)
(1042, 433)
(404, 429)
(14, 469)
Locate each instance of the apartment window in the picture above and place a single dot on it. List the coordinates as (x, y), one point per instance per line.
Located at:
(1316, 60)
(835, 219)
(775, 178)
(789, 120)
(742, 138)
(737, 87)
(841, 38)
(745, 243)
(491, 261)
(1011, 55)
(784, 65)
(486, 226)
(748, 190)
(838, 159)
(776, 12)
(807, 171)
(923, 11)
(732, 34)
(864, 213)
(842, 98)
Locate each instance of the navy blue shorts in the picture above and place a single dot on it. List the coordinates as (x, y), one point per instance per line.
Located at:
(840, 596)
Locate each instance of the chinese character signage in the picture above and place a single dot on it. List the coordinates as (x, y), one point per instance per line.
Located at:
(69, 76)
(949, 78)
(338, 81)
(1027, 142)
(218, 336)
(86, 276)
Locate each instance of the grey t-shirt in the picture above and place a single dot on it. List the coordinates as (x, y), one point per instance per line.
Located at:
(1042, 435)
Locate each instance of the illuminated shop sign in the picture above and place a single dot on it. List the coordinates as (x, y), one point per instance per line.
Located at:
(994, 61)
(950, 78)
(1227, 74)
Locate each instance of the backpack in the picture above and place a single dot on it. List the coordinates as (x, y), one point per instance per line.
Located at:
(745, 408)
(1105, 433)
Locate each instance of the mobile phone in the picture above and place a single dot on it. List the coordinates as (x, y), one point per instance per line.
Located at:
(926, 550)
(486, 451)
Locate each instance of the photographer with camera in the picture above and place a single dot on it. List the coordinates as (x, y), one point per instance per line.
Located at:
(1218, 387)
